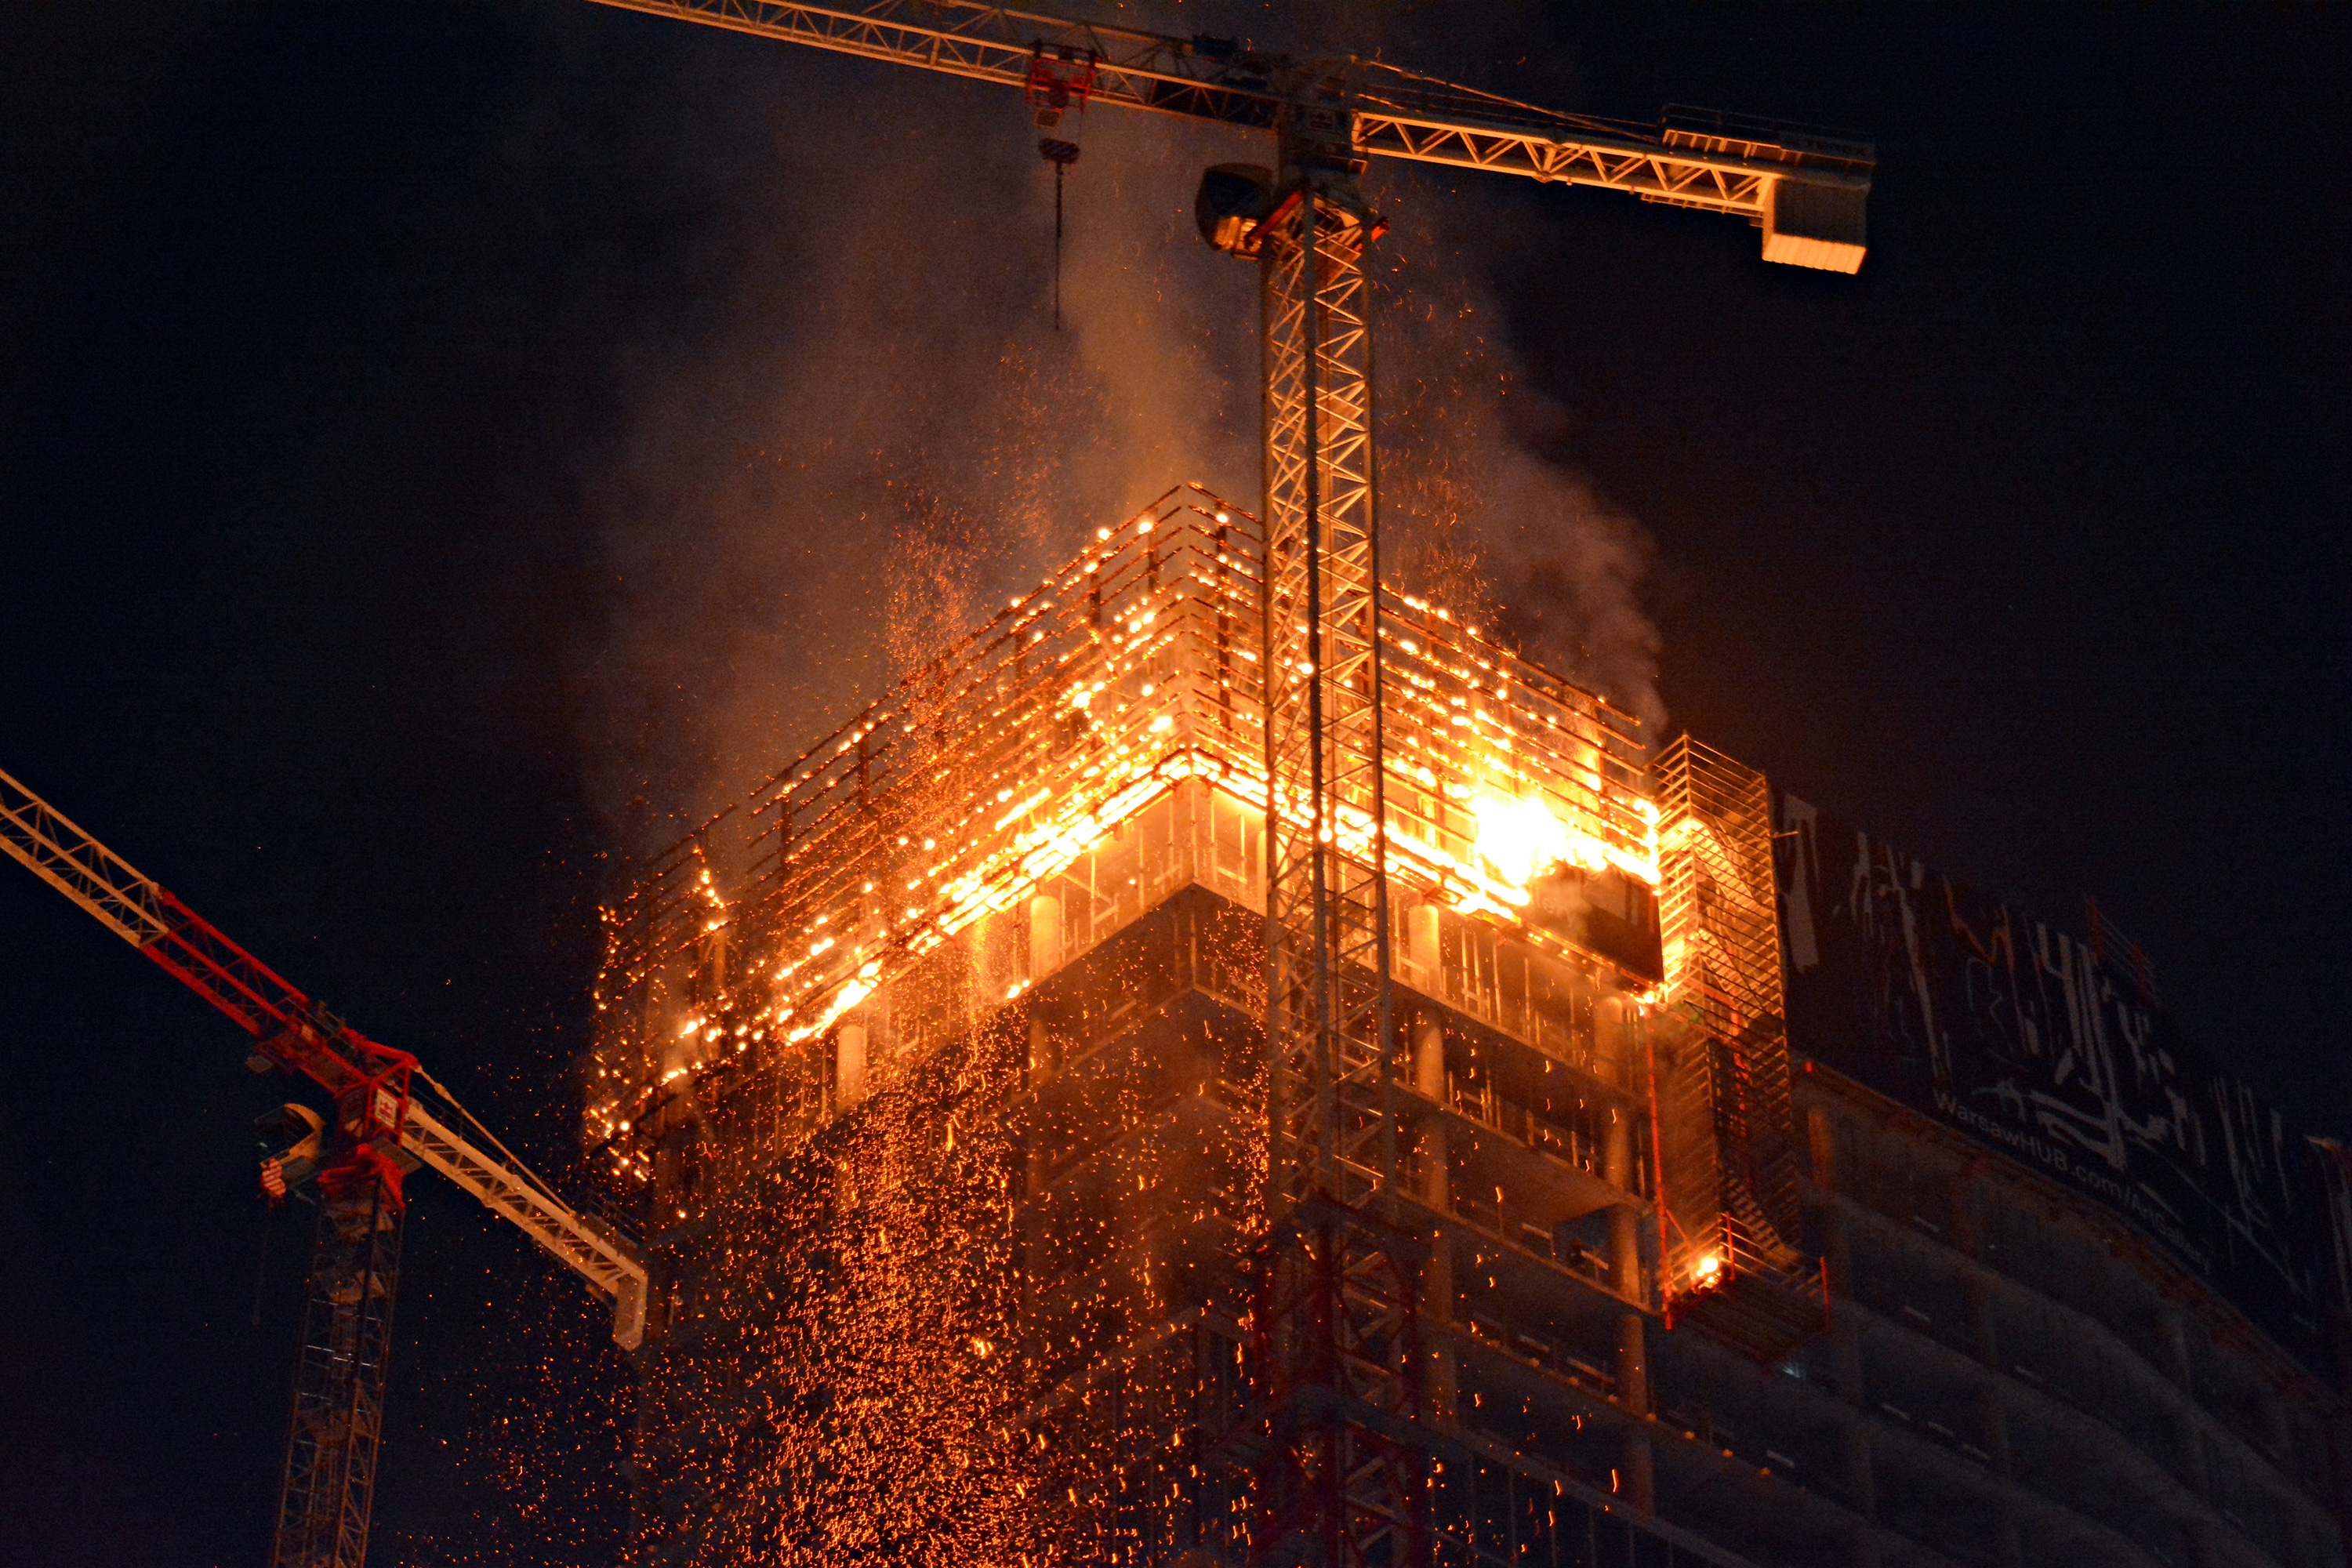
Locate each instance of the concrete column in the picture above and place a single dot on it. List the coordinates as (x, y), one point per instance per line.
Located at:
(2278, 1433)
(1625, 1251)
(1045, 936)
(2197, 1537)
(1437, 1274)
(1429, 1058)
(1636, 1481)
(1617, 1041)
(2008, 1546)
(1846, 1358)
(2188, 1436)
(1960, 1216)
(2172, 1347)
(1617, 1148)
(1436, 1187)
(1983, 1341)
(1040, 1049)
(1861, 1475)
(1821, 1141)
(1634, 1364)
(849, 1064)
(1992, 1435)
(1429, 1081)
(1442, 1395)
(1422, 961)
(2189, 1443)
(1033, 1185)
(1624, 1220)
(1437, 1299)
(1992, 1429)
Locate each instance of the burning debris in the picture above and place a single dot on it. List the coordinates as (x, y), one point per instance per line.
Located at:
(936, 1071)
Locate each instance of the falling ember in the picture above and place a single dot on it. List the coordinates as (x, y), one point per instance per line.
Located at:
(947, 1119)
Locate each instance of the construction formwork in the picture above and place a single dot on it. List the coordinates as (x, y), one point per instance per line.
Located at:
(938, 1073)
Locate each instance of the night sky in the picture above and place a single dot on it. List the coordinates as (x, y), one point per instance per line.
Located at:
(444, 446)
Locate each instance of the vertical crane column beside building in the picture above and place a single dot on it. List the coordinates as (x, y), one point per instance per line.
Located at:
(389, 1117)
(327, 1492)
(1335, 1313)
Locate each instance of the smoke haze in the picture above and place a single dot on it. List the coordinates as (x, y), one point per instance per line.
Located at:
(861, 433)
(1480, 507)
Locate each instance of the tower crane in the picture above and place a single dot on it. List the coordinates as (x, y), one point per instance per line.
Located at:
(390, 1116)
(1340, 1480)
(1334, 1311)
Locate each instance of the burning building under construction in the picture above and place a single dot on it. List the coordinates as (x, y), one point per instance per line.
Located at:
(1704, 1211)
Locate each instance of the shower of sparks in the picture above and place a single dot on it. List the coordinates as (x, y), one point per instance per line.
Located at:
(958, 1276)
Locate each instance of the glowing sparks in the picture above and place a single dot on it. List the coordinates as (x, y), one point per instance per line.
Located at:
(1094, 751)
(1130, 645)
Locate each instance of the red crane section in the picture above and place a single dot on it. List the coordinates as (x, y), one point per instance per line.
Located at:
(293, 1032)
(369, 1081)
(390, 1116)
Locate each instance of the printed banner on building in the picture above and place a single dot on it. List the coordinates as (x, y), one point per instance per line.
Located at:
(2054, 1052)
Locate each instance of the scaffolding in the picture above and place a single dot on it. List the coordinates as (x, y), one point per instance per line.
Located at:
(947, 807)
(990, 964)
(1730, 1217)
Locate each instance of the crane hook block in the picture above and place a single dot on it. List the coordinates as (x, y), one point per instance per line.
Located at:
(1060, 80)
(1231, 201)
(1054, 152)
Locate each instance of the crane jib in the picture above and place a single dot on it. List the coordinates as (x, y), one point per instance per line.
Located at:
(371, 1082)
(1805, 189)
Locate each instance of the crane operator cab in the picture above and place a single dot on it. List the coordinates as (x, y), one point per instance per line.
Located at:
(1233, 200)
(1237, 204)
(298, 1136)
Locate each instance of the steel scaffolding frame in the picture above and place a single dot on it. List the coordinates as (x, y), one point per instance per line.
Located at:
(1734, 1200)
(759, 921)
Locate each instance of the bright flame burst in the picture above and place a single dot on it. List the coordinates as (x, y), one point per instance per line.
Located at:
(888, 1279)
(1518, 837)
(1522, 840)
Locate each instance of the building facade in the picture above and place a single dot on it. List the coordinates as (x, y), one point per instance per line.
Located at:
(935, 1078)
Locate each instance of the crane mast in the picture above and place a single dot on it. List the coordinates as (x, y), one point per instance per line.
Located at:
(390, 1117)
(1333, 1308)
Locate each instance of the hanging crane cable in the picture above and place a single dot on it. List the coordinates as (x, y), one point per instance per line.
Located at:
(1061, 155)
(1060, 80)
